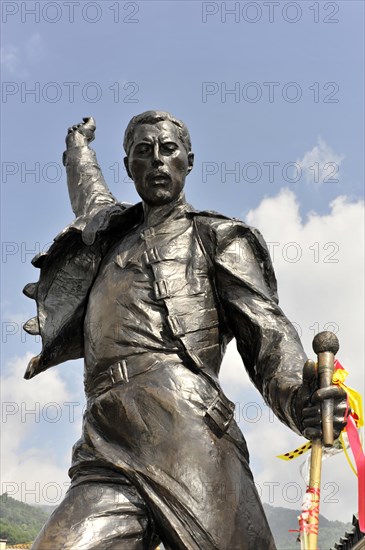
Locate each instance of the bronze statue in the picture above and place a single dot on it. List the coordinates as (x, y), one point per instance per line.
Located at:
(150, 295)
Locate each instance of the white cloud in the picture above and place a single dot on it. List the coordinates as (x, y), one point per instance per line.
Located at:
(321, 164)
(320, 270)
(33, 410)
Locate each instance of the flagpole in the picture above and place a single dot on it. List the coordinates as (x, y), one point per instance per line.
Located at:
(314, 491)
(325, 345)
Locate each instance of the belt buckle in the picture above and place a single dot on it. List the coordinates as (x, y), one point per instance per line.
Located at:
(119, 372)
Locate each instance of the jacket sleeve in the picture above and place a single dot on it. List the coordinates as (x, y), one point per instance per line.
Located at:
(266, 340)
(86, 185)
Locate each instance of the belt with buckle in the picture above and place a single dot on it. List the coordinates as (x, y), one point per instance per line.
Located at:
(124, 370)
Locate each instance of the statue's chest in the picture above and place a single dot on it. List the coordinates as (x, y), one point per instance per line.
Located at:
(154, 289)
(167, 260)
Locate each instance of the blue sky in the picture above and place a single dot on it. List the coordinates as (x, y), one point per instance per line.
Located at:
(293, 121)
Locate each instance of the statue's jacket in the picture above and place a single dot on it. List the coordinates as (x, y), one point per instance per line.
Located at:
(222, 285)
(242, 283)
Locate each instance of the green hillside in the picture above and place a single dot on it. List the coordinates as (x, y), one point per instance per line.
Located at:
(19, 522)
(281, 520)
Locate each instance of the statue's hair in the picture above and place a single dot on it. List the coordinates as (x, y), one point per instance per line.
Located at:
(153, 117)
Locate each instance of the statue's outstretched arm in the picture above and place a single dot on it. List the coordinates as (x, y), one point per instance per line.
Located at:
(86, 185)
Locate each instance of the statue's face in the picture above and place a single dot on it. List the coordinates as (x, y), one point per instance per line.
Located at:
(158, 162)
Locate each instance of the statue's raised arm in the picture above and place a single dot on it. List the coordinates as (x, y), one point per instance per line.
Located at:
(69, 266)
(86, 185)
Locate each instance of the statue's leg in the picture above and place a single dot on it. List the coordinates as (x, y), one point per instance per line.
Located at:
(98, 516)
(195, 480)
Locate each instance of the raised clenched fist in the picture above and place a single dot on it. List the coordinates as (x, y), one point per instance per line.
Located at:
(82, 133)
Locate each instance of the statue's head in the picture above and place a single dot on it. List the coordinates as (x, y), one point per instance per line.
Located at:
(159, 156)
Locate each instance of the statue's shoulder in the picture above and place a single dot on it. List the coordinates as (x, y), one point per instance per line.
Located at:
(211, 216)
(220, 234)
(112, 221)
(222, 226)
(100, 226)
(100, 220)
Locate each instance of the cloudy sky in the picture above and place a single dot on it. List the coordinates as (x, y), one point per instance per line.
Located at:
(272, 93)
